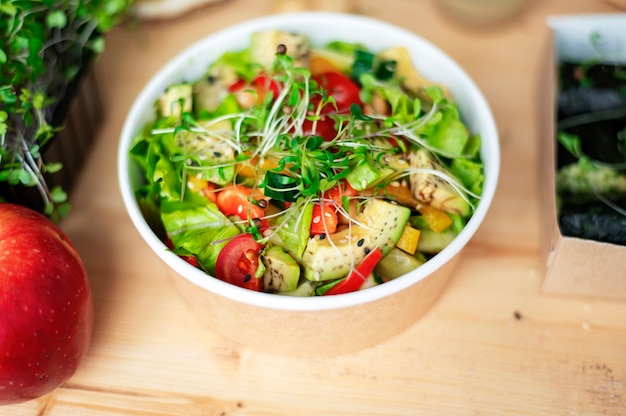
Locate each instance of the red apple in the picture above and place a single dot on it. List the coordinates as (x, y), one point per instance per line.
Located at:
(46, 307)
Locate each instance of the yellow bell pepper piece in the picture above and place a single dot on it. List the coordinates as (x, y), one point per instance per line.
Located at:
(250, 168)
(408, 240)
(436, 218)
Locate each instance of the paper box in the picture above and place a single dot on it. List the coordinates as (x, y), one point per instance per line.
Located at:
(576, 266)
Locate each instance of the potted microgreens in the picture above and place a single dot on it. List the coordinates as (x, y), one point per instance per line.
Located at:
(46, 47)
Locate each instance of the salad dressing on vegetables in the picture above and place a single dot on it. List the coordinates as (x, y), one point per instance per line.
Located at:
(308, 170)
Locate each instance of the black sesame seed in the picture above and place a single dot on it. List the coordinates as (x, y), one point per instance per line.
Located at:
(360, 242)
(217, 154)
(247, 277)
(322, 236)
(367, 250)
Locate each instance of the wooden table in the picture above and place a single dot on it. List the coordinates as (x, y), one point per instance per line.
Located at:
(494, 344)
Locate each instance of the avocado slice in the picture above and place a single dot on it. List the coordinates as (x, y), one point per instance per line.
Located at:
(433, 242)
(365, 175)
(380, 224)
(178, 98)
(210, 90)
(282, 271)
(432, 189)
(410, 78)
(370, 171)
(293, 230)
(263, 47)
(396, 263)
(215, 158)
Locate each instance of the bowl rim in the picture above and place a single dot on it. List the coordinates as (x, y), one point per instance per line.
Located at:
(198, 277)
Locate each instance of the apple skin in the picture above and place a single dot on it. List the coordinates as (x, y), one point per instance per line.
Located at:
(46, 306)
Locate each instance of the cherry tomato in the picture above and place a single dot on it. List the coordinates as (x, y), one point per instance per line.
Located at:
(238, 261)
(341, 88)
(324, 127)
(238, 200)
(355, 279)
(324, 221)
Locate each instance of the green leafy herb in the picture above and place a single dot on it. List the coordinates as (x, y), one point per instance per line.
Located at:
(43, 45)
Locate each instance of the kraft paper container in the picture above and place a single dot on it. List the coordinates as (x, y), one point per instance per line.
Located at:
(321, 325)
(576, 266)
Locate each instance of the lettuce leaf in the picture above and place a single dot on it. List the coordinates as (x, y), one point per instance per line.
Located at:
(202, 231)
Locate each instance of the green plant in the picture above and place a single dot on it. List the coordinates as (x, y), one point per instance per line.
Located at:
(43, 46)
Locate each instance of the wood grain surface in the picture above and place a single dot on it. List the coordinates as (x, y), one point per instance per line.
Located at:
(493, 344)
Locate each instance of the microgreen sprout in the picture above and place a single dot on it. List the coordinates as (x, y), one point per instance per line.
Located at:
(44, 46)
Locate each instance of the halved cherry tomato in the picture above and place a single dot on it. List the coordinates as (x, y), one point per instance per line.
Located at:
(341, 88)
(355, 279)
(238, 261)
(324, 220)
(238, 200)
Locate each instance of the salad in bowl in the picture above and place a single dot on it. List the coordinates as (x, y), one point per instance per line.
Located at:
(307, 169)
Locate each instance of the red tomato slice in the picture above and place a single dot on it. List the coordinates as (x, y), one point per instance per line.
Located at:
(324, 221)
(237, 200)
(341, 88)
(355, 279)
(238, 261)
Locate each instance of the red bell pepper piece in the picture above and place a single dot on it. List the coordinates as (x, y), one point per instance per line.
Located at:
(355, 279)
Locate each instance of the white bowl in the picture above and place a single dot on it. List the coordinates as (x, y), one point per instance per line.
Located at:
(317, 325)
